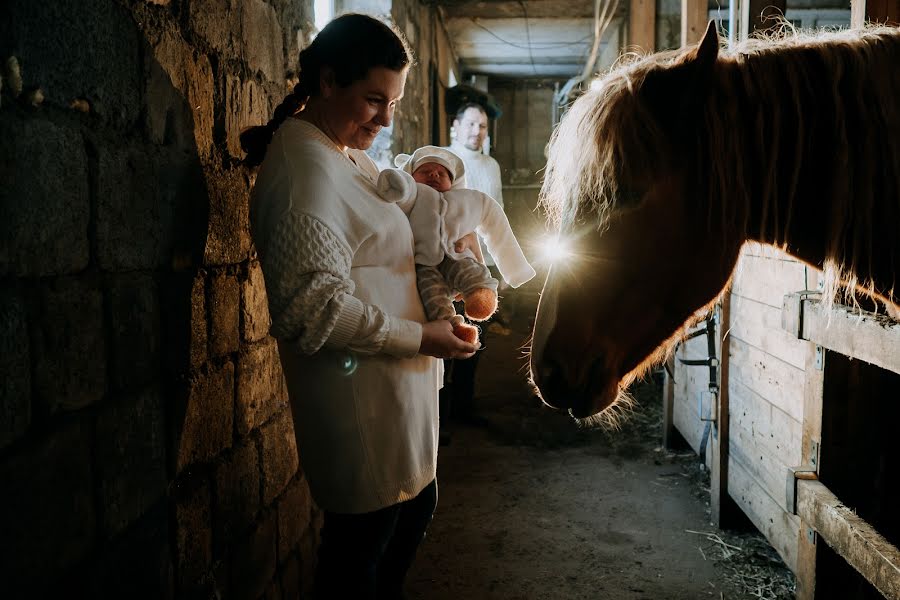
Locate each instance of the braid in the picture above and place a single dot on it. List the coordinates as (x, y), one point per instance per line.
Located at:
(255, 140)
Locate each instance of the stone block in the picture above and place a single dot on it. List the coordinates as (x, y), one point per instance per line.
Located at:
(253, 560)
(138, 564)
(279, 455)
(68, 346)
(44, 199)
(246, 104)
(183, 316)
(193, 536)
(255, 306)
(294, 517)
(133, 305)
(203, 419)
(224, 313)
(87, 49)
(237, 481)
(262, 40)
(198, 330)
(15, 367)
(180, 96)
(228, 237)
(130, 455)
(135, 221)
(259, 380)
(46, 510)
(218, 23)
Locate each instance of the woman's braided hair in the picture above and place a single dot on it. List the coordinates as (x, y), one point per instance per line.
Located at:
(350, 45)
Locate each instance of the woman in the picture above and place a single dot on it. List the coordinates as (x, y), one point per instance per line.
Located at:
(356, 348)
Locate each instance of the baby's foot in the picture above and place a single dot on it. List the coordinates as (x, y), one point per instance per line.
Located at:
(480, 304)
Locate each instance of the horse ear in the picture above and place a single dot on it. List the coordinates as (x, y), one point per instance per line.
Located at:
(708, 50)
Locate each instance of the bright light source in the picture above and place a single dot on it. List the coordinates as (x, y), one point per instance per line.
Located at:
(552, 249)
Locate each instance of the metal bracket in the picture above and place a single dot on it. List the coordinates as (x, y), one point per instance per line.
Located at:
(793, 474)
(813, 458)
(820, 358)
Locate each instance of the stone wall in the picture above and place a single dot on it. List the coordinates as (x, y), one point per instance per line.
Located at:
(146, 445)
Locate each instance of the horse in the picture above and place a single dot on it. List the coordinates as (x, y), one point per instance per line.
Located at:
(658, 175)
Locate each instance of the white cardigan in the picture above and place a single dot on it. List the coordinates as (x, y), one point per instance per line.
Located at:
(340, 277)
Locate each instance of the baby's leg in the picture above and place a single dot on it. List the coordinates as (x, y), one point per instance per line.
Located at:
(438, 302)
(478, 287)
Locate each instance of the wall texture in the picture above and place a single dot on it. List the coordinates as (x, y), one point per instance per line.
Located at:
(146, 446)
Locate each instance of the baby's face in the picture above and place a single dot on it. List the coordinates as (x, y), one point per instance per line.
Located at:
(433, 175)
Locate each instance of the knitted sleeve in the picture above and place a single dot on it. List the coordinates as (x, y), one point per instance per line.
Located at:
(307, 272)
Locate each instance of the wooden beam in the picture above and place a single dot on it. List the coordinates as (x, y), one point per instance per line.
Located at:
(851, 537)
(876, 11)
(642, 25)
(694, 18)
(863, 336)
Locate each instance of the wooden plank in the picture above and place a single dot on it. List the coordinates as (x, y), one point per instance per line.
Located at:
(850, 536)
(861, 336)
(694, 18)
(775, 430)
(642, 25)
(778, 382)
(759, 325)
(766, 448)
(767, 279)
(689, 382)
(779, 527)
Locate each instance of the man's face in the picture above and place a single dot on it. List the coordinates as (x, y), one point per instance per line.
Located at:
(433, 175)
(471, 129)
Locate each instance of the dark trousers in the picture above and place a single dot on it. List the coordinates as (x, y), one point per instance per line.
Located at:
(366, 556)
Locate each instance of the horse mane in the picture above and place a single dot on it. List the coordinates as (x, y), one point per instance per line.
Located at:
(809, 80)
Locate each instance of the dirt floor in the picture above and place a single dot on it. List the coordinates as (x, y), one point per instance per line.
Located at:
(532, 507)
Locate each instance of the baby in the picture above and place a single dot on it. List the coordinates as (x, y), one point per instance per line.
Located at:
(429, 187)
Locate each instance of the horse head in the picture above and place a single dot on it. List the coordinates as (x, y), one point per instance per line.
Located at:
(626, 207)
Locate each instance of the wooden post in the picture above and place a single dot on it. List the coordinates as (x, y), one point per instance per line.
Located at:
(668, 425)
(877, 11)
(724, 511)
(694, 18)
(812, 436)
(642, 25)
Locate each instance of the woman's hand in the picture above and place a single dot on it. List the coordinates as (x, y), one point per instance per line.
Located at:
(438, 341)
(470, 242)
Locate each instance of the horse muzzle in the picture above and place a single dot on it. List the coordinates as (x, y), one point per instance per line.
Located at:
(578, 384)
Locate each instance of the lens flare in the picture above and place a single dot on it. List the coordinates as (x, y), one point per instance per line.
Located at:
(553, 248)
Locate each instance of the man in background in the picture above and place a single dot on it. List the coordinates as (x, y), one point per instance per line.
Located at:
(470, 129)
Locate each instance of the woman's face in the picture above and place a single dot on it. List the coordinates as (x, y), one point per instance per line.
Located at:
(355, 114)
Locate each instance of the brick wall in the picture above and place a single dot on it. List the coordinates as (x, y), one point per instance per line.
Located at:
(146, 446)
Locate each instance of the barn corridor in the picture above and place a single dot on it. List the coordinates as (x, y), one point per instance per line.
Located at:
(532, 508)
